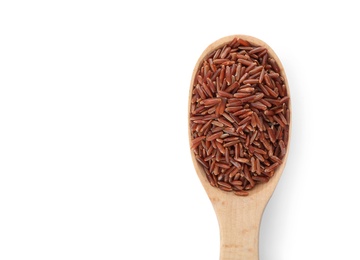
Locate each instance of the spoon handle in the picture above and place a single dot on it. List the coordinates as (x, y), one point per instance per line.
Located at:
(240, 242)
(239, 225)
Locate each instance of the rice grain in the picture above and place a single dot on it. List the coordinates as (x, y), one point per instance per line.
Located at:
(239, 117)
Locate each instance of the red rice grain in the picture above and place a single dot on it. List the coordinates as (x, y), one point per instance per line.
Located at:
(239, 117)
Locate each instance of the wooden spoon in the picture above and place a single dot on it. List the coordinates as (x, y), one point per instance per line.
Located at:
(239, 217)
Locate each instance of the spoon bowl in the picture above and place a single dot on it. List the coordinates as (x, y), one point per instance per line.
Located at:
(239, 217)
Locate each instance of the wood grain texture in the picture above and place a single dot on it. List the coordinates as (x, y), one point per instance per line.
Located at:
(239, 217)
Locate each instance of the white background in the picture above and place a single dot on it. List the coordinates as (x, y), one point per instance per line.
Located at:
(94, 158)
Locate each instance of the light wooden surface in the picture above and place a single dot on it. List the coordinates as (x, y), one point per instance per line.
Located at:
(239, 217)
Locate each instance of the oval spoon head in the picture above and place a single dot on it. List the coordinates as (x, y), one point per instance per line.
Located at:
(262, 191)
(239, 216)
